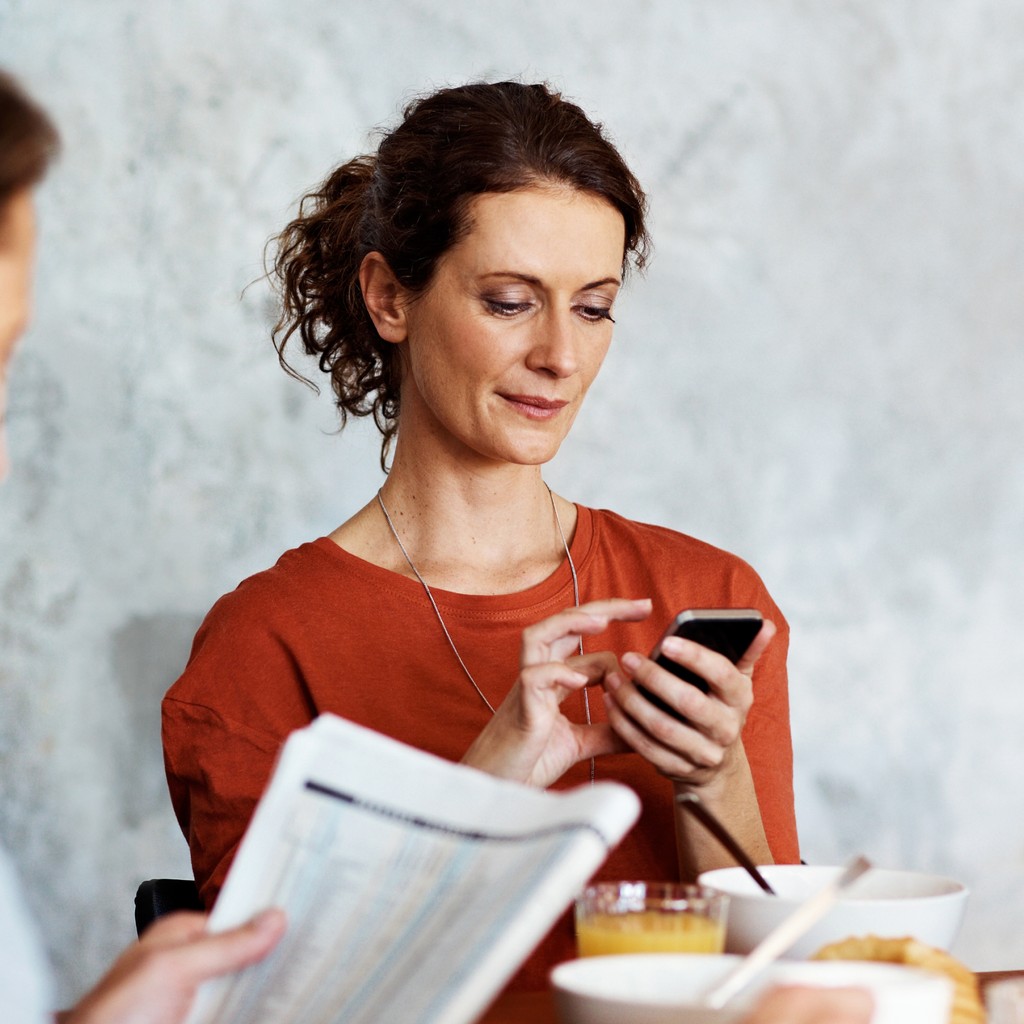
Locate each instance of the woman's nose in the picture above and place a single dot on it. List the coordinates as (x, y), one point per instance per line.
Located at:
(554, 348)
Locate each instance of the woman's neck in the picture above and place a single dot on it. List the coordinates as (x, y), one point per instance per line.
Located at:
(492, 531)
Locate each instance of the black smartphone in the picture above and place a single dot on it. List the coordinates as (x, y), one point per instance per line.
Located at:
(729, 631)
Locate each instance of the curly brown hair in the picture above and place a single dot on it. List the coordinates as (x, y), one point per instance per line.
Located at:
(409, 202)
(28, 139)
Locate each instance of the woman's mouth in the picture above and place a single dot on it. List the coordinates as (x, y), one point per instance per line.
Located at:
(536, 407)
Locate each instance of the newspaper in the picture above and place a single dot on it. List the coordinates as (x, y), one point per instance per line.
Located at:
(414, 887)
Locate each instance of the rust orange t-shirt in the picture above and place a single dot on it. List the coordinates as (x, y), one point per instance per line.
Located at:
(323, 630)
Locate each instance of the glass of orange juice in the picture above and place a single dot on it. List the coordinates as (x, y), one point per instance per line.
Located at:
(650, 917)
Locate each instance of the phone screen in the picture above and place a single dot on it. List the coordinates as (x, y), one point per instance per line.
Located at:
(728, 631)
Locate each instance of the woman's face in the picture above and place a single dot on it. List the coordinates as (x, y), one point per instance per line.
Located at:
(17, 249)
(500, 350)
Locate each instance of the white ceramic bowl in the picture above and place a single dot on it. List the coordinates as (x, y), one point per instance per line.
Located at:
(891, 904)
(661, 988)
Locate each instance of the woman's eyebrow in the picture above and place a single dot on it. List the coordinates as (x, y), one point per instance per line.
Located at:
(530, 279)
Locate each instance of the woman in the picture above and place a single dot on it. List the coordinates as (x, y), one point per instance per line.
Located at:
(459, 286)
(155, 980)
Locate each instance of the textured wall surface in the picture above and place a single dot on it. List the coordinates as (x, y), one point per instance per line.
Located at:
(821, 371)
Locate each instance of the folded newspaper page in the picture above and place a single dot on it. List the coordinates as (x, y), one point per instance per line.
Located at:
(414, 887)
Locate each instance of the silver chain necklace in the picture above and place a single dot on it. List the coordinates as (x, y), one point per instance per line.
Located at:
(440, 618)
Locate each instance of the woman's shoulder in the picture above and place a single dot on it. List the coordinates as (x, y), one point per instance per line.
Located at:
(265, 619)
(296, 568)
(304, 580)
(612, 528)
(660, 558)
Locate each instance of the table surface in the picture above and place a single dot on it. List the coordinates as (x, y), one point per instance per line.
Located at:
(539, 1007)
(522, 1008)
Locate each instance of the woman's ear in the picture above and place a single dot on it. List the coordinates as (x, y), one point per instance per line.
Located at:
(384, 297)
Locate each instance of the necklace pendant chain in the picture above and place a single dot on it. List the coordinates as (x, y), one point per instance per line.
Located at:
(440, 618)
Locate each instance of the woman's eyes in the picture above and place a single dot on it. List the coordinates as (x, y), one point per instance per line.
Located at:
(596, 313)
(506, 307)
(513, 307)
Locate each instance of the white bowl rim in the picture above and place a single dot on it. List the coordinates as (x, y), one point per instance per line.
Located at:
(572, 976)
(563, 975)
(955, 889)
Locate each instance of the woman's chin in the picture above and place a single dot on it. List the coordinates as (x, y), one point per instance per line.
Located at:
(533, 451)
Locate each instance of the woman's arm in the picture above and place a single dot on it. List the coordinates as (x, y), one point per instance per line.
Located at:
(732, 800)
(216, 770)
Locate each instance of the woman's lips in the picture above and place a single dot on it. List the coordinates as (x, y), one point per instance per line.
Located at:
(536, 407)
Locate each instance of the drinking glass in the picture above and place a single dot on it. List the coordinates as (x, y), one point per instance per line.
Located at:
(650, 917)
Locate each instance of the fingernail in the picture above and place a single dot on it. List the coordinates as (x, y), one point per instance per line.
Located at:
(631, 661)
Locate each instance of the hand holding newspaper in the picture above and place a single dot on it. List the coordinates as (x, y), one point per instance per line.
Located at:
(414, 887)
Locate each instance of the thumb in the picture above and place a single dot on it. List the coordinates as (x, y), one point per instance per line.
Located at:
(598, 740)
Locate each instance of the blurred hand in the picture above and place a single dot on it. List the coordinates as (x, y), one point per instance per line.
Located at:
(156, 980)
(799, 1005)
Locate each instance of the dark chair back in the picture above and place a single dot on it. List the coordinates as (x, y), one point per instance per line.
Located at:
(158, 896)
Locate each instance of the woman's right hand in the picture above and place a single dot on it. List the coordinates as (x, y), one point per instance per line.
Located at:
(529, 739)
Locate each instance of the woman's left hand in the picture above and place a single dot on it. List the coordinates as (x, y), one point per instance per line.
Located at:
(694, 753)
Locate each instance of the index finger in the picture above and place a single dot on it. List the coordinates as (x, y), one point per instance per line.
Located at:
(619, 609)
(586, 620)
(176, 928)
(217, 953)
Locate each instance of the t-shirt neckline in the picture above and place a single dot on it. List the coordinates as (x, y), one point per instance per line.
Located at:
(543, 593)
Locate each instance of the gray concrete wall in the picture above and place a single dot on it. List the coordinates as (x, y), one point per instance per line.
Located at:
(821, 371)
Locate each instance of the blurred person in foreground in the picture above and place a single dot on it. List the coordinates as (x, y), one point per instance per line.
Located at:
(155, 980)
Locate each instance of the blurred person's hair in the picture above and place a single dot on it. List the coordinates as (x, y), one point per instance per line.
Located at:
(28, 139)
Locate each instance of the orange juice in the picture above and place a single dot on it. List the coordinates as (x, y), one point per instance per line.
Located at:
(648, 931)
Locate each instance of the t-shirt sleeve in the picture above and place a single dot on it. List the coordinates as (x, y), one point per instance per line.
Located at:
(216, 770)
(223, 723)
(768, 742)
